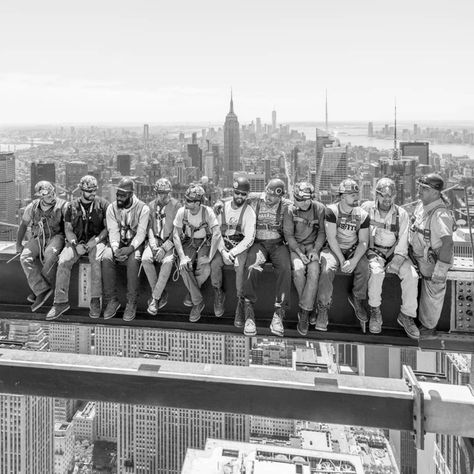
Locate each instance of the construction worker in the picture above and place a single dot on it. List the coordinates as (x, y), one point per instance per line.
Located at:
(160, 247)
(269, 208)
(196, 237)
(388, 252)
(40, 254)
(431, 248)
(303, 226)
(127, 224)
(347, 233)
(86, 233)
(237, 223)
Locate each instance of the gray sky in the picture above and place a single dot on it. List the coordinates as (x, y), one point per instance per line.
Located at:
(175, 61)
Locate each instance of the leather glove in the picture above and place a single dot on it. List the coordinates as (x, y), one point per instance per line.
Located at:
(440, 272)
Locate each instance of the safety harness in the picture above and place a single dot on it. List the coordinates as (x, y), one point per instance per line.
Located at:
(230, 241)
(314, 223)
(128, 223)
(385, 252)
(189, 235)
(277, 226)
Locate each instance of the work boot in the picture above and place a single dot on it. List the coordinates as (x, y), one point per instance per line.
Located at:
(250, 329)
(375, 323)
(322, 319)
(303, 323)
(276, 326)
(359, 308)
(56, 310)
(195, 314)
(40, 299)
(112, 307)
(31, 298)
(426, 333)
(409, 325)
(130, 311)
(188, 301)
(313, 316)
(163, 301)
(239, 319)
(94, 308)
(219, 299)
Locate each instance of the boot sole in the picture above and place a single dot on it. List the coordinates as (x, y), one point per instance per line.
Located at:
(416, 338)
(276, 332)
(303, 333)
(196, 319)
(110, 316)
(355, 312)
(67, 308)
(249, 334)
(43, 301)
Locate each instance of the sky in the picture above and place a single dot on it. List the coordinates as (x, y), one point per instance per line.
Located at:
(151, 61)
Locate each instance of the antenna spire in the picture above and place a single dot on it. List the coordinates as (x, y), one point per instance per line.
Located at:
(327, 127)
(395, 150)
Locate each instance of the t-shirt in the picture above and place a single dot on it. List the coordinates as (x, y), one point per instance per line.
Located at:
(205, 214)
(347, 234)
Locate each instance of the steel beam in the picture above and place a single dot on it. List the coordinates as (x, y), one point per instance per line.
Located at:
(282, 393)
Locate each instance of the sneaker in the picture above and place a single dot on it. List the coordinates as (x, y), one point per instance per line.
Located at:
(250, 329)
(409, 325)
(130, 311)
(112, 307)
(323, 317)
(219, 299)
(426, 333)
(303, 322)
(95, 309)
(375, 323)
(188, 301)
(40, 299)
(163, 301)
(359, 308)
(153, 306)
(56, 310)
(313, 316)
(195, 314)
(239, 319)
(276, 326)
(31, 298)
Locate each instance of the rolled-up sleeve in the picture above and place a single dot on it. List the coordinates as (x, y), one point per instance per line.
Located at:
(113, 228)
(401, 247)
(142, 227)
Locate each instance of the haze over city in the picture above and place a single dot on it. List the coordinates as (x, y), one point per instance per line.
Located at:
(117, 62)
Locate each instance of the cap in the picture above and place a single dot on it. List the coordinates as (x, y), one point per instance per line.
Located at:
(194, 192)
(43, 188)
(386, 186)
(88, 183)
(241, 183)
(163, 186)
(125, 185)
(275, 186)
(303, 191)
(348, 186)
(431, 180)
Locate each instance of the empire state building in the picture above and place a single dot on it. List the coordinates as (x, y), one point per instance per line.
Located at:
(231, 144)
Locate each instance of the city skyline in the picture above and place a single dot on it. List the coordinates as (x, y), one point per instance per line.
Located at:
(172, 63)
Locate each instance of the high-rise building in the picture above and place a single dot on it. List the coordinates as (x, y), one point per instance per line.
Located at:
(26, 434)
(41, 171)
(419, 149)
(403, 172)
(124, 164)
(333, 169)
(370, 131)
(267, 168)
(258, 127)
(63, 448)
(231, 144)
(7, 195)
(195, 154)
(146, 133)
(257, 182)
(274, 121)
(70, 338)
(75, 170)
(180, 171)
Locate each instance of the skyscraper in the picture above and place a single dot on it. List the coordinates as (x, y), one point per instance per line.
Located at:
(370, 131)
(75, 170)
(231, 144)
(274, 121)
(42, 171)
(7, 194)
(419, 149)
(124, 164)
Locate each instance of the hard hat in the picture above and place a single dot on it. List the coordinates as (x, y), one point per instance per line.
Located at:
(43, 188)
(195, 193)
(348, 186)
(88, 183)
(303, 191)
(241, 183)
(126, 185)
(275, 186)
(431, 180)
(386, 186)
(163, 186)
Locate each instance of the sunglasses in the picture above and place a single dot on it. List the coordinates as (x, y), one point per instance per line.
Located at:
(299, 199)
(240, 193)
(192, 201)
(384, 196)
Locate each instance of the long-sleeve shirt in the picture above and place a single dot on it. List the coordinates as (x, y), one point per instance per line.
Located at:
(383, 236)
(135, 218)
(303, 233)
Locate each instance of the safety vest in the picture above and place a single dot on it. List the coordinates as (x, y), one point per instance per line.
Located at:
(237, 236)
(88, 222)
(47, 223)
(193, 229)
(277, 226)
(128, 230)
(426, 231)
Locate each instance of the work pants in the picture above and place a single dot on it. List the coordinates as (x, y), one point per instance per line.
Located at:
(305, 278)
(217, 265)
(157, 281)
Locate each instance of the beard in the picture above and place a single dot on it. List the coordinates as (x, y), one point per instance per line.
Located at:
(124, 204)
(238, 201)
(88, 197)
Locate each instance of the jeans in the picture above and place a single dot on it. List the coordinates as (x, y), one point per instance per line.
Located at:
(67, 259)
(110, 274)
(329, 265)
(217, 265)
(157, 281)
(431, 297)
(278, 254)
(194, 279)
(305, 278)
(41, 276)
(408, 283)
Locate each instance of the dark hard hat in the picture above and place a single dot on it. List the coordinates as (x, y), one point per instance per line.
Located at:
(275, 186)
(126, 185)
(431, 180)
(241, 183)
(348, 186)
